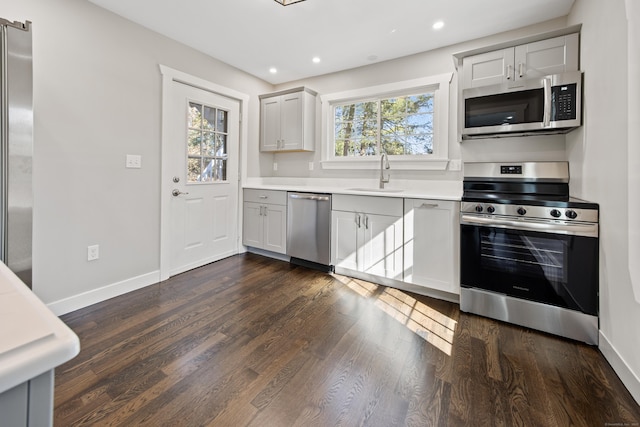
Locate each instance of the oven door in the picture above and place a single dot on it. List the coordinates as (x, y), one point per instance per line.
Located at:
(556, 269)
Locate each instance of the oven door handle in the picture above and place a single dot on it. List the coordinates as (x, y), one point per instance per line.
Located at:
(574, 229)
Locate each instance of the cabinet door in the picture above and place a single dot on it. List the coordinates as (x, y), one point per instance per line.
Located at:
(551, 56)
(291, 121)
(431, 244)
(275, 228)
(270, 124)
(344, 239)
(252, 225)
(487, 68)
(382, 246)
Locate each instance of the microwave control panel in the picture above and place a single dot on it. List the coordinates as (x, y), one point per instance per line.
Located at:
(563, 102)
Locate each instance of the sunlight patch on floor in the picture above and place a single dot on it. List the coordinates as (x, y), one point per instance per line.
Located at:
(433, 326)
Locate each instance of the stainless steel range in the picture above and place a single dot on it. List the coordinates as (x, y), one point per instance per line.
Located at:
(529, 251)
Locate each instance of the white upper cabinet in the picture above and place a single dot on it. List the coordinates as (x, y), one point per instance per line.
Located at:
(514, 64)
(287, 120)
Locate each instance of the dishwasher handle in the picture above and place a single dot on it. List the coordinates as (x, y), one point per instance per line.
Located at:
(319, 197)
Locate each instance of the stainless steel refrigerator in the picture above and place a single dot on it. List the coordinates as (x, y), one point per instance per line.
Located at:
(16, 147)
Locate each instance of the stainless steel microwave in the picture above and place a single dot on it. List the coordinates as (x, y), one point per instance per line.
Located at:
(551, 104)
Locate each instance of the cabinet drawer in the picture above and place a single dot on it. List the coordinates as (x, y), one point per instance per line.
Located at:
(390, 206)
(274, 197)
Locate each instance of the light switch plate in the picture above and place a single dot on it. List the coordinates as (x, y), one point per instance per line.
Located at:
(134, 161)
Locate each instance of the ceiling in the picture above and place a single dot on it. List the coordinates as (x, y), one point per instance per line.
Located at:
(256, 35)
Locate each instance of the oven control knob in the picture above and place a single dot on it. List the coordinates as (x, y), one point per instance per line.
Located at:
(571, 214)
(491, 209)
(478, 208)
(555, 213)
(521, 211)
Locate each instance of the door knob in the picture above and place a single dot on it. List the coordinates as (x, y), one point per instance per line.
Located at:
(177, 192)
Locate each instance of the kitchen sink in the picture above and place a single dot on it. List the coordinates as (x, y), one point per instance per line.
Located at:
(376, 190)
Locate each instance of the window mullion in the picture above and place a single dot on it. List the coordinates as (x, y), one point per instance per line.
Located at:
(379, 127)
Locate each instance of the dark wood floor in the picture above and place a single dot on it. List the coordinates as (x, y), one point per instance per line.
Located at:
(250, 341)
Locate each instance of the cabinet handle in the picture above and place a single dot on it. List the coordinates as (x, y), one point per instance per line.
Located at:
(260, 211)
(521, 73)
(264, 197)
(428, 205)
(265, 210)
(358, 220)
(509, 68)
(366, 222)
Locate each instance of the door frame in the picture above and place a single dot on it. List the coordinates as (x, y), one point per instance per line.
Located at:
(170, 77)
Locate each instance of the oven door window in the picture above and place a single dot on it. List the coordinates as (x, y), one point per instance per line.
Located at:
(521, 107)
(549, 268)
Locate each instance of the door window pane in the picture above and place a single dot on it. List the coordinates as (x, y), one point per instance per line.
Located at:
(206, 144)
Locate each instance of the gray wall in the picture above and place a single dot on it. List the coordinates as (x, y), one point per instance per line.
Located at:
(97, 98)
(599, 171)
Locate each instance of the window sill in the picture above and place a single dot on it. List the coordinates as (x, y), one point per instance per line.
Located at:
(398, 164)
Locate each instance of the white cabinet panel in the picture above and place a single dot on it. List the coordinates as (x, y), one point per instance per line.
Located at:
(487, 69)
(275, 228)
(367, 241)
(287, 120)
(382, 246)
(514, 64)
(265, 224)
(344, 239)
(431, 244)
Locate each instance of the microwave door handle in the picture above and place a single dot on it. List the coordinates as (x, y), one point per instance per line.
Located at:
(546, 82)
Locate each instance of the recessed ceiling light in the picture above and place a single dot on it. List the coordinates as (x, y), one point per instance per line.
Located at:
(273, 70)
(438, 24)
(316, 60)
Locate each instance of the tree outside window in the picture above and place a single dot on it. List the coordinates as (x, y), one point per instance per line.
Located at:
(401, 125)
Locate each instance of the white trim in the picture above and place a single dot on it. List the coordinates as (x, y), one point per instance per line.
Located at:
(94, 296)
(438, 161)
(202, 262)
(620, 366)
(170, 75)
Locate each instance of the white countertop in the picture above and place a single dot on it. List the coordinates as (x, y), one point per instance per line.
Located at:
(415, 189)
(32, 339)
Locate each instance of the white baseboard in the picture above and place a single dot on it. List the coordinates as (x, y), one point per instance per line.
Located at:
(88, 298)
(626, 374)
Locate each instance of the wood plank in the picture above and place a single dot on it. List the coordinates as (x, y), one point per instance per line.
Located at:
(251, 341)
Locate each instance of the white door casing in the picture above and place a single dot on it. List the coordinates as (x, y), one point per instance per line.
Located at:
(200, 225)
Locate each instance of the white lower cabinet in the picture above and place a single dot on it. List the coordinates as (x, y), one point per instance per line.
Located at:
(366, 235)
(265, 220)
(431, 244)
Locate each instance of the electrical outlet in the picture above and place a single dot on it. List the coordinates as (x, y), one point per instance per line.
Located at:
(455, 164)
(310, 166)
(134, 161)
(93, 252)
(275, 166)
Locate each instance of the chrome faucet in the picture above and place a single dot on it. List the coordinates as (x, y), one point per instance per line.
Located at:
(384, 164)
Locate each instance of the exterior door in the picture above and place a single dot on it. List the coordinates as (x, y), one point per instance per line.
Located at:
(202, 164)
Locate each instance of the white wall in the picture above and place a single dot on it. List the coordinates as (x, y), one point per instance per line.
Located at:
(430, 63)
(599, 172)
(97, 97)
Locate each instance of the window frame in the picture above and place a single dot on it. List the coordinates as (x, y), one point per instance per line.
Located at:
(439, 85)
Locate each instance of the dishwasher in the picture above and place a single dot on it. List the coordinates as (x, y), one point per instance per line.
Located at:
(309, 230)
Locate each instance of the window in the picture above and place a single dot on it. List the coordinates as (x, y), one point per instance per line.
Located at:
(407, 120)
(400, 125)
(206, 144)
